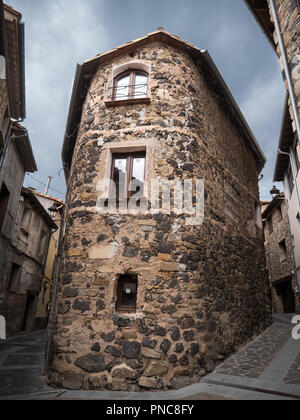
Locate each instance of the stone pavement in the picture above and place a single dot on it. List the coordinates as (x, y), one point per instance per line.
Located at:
(266, 369)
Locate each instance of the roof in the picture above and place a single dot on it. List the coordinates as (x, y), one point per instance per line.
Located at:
(14, 47)
(286, 140)
(30, 196)
(86, 71)
(49, 197)
(273, 205)
(260, 11)
(23, 147)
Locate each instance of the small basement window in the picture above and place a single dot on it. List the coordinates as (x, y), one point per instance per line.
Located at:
(127, 294)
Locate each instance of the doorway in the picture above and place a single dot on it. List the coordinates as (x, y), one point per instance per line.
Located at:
(28, 319)
(286, 292)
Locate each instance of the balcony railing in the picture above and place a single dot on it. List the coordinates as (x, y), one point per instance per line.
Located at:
(122, 93)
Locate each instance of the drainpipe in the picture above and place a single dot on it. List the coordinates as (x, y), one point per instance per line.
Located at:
(286, 68)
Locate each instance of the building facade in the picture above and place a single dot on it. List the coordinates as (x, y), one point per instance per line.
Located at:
(26, 261)
(280, 257)
(150, 301)
(16, 156)
(280, 20)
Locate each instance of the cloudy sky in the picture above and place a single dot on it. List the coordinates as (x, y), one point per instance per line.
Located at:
(60, 33)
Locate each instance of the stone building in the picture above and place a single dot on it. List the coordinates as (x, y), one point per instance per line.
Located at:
(26, 261)
(280, 258)
(148, 301)
(280, 20)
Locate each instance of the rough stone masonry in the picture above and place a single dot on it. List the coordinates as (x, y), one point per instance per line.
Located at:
(202, 290)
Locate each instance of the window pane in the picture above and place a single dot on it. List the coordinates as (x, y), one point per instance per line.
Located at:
(138, 174)
(119, 176)
(141, 84)
(122, 88)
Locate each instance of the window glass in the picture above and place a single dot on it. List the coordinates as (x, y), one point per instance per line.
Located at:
(138, 174)
(141, 84)
(119, 175)
(122, 88)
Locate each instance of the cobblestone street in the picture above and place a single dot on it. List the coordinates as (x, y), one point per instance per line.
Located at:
(268, 368)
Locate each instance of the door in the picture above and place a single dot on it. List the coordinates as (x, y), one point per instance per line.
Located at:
(28, 320)
(288, 298)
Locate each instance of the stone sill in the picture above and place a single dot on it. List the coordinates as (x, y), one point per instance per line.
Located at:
(138, 101)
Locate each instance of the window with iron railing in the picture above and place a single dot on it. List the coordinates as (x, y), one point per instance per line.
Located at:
(132, 84)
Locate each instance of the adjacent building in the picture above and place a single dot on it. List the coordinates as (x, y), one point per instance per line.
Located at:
(54, 208)
(151, 300)
(280, 20)
(26, 262)
(280, 256)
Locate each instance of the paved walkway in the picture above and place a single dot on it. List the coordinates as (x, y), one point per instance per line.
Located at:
(266, 369)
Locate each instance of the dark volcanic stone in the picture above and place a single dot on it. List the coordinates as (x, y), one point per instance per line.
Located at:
(165, 345)
(96, 348)
(149, 343)
(108, 338)
(179, 348)
(81, 305)
(173, 359)
(175, 333)
(70, 292)
(189, 336)
(100, 305)
(195, 349)
(130, 252)
(63, 308)
(91, 363)
(160, 331)
(102, 238)
(131, 350)
(114, 351)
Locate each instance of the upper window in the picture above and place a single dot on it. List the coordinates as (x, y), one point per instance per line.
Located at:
(132, 84)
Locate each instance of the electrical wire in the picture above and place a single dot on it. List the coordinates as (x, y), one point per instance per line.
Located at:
(45, 185)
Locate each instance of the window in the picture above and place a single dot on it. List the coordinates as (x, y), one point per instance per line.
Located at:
(128, 174)
(280, 216)
(14, 279)
(4, 200)
(42, 244)
(296, 152)
(132, 84)
(26, 218)
(290, 178)
(270, 224)
(127, 294)
(283, 250)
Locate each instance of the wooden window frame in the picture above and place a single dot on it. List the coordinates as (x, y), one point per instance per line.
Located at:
(120, 308)
(132, 84)
(129, 156)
